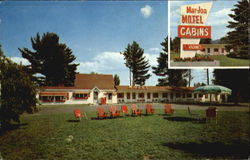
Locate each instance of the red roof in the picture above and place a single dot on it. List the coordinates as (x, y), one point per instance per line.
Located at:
(89, 81)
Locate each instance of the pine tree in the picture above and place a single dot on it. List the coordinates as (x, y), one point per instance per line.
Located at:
(205, 41)
(135, 61)
(175, 47)
(116, 80)
(238, 38)
(18, 92)
(171, 77)
(51, 59)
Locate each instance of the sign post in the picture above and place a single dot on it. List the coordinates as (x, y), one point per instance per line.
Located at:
(192, 28)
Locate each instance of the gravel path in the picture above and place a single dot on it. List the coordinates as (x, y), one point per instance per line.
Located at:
(69, 108)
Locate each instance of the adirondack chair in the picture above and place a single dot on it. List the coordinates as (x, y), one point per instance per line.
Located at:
(78, 114)
(190, 113)
(195, 115)
(113, 111)
(135, 110)
(124, 109)
(168, 109)
(211, 113)
(149, 109)
(101, 113)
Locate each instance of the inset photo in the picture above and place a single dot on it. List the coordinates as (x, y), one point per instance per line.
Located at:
(209, 34)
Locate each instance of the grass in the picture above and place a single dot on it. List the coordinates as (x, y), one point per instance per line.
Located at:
(224, 60)
(154, 137)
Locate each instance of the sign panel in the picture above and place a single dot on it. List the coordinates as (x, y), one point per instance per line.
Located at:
(192, 47)
(194, 31)
(193, 27)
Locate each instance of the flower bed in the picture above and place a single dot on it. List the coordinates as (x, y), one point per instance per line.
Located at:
(194, 59)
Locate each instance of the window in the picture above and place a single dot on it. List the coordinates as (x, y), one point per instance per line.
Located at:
(60, 98)
(195, 95)
(206, 95)
(189, 95)
(141, 95)
(208, 50)
(120, 95)
(222, 50)
(133, 95)
(110, 96)
(171, 95)
(200, 95)
(148, 95)
(47, 98)
(128, 95)
(177, 95)
(155, 95)
(216, 50)
(165, 95)
(80, 96)
(184, 95)
(203, 50)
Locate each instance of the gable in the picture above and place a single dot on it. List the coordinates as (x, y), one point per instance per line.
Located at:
(90, 81)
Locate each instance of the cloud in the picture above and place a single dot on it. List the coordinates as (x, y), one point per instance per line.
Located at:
(154, 49)
(103, 63)
(19, 60)
(146, 11)
(152, 58)
(219, 18)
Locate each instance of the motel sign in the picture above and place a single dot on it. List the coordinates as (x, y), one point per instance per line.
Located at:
(193, 28)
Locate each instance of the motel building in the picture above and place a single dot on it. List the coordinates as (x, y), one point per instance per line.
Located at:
(213, 49)
(96, 89)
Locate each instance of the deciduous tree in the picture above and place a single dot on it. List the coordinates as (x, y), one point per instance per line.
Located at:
(18, 92)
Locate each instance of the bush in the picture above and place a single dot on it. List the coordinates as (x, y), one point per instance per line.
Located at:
(194, 59)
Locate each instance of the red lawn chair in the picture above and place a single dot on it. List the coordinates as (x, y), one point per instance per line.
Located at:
(135, 111)
(168, 109)
(124, 109)
(149, 109)
(78, 114)
(113, 111)
(101, 113)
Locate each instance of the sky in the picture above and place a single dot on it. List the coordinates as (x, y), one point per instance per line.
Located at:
(218, 17)
(95, 31)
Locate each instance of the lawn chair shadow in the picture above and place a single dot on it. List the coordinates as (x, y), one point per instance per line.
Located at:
(73, 120)
(185, 119)
(235, 150)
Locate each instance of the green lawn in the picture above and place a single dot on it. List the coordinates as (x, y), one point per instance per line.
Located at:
(224, 60)
(153, 137)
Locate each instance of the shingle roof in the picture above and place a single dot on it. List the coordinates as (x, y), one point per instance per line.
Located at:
(89, 81)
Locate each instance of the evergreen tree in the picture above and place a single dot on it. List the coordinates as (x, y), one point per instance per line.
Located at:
(235, 79)
(171, 77)
(205, 41)
(238, 38)
(116, 80)
(51, 59)
(18, 92)
(135, 61)
(175, 47)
